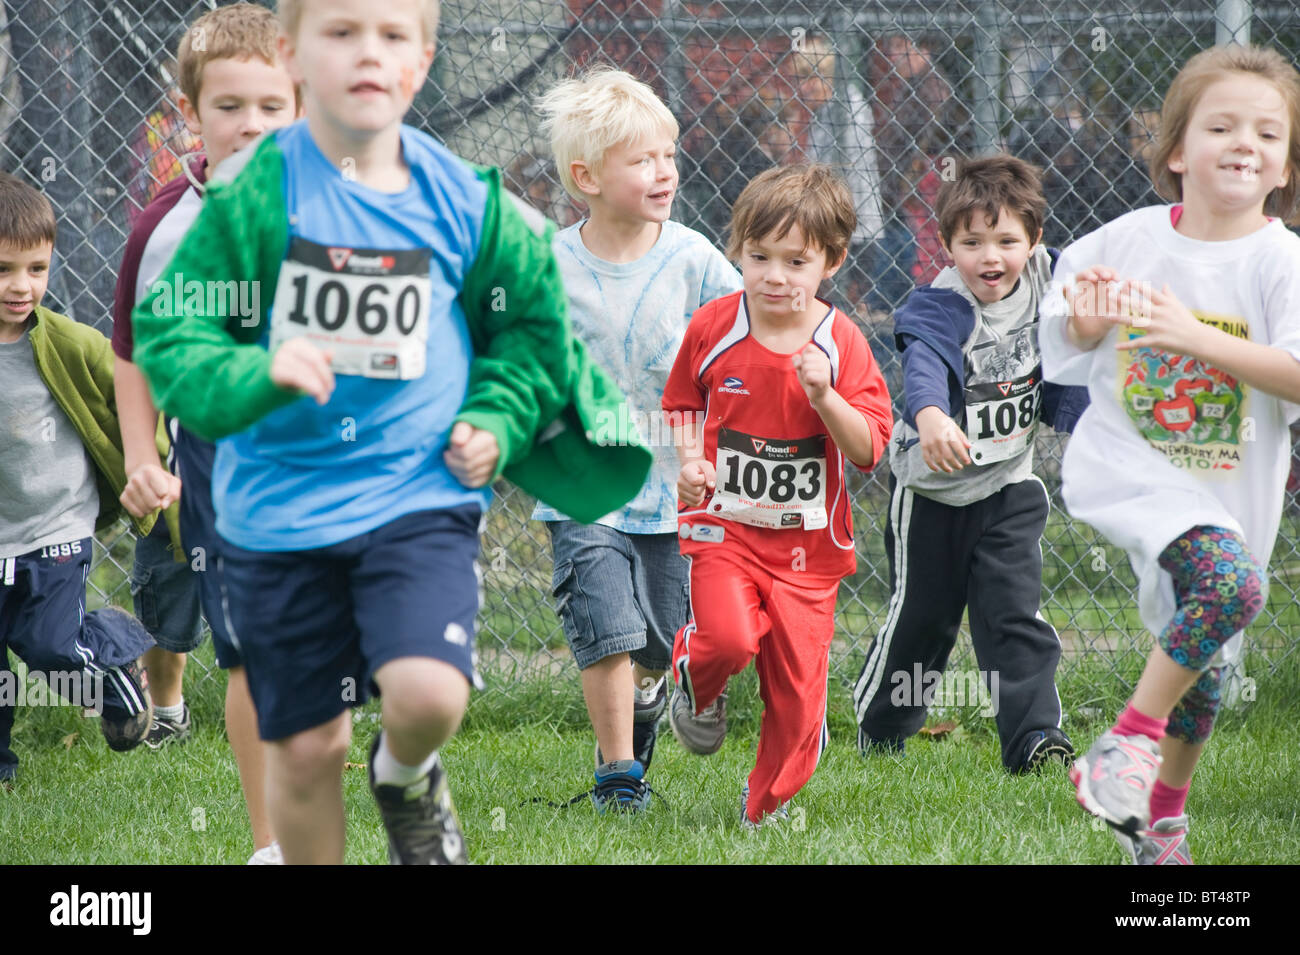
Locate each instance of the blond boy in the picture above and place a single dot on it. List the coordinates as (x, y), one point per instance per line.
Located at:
(633, 278)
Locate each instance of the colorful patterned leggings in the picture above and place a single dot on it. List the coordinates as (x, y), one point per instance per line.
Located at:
(1219, 589)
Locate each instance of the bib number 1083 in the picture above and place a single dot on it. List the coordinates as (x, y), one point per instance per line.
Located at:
(780, 483)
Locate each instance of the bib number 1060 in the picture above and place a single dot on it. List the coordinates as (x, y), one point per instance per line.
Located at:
(778, 485)
(375, 306)
(1006, 417)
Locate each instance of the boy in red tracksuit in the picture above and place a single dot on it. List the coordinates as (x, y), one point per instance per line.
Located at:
(772, 390)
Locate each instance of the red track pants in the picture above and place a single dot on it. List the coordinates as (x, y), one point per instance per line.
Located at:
(739, 612)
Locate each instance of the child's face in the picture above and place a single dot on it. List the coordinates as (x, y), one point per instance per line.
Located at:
(1234, 152)
(781, 276)
(637, 181)
(24, 275)
(238, 101)
(991, 257)
(360, 62)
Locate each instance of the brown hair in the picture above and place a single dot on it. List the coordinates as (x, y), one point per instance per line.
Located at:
(291, 15)
(811, 197)
(989, 185)
(26, 216)
(1198, 74)
(237, 32)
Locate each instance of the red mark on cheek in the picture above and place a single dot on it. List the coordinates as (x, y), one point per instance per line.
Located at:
(408, 82)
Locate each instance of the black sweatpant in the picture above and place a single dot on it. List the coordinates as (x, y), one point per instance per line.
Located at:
(943, 559)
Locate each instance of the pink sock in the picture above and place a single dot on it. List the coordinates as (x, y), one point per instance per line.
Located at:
(1134, 723)
(1167, 801)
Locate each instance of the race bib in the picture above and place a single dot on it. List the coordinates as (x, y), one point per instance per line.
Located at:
(775, 484)
(1000, 416)
(370, 307)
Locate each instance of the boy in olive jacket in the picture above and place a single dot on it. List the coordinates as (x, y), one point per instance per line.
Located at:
(61, 473)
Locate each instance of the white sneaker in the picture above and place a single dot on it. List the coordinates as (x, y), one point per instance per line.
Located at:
(267, 855)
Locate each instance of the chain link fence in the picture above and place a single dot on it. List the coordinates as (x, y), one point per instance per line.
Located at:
(888, 92)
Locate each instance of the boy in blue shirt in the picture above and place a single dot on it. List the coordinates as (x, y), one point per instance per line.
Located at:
(409, 298)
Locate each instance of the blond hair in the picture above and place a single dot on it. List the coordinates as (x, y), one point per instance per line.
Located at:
(811, 197)
(587, 117)
(237, 32)
(1199, 73)
(291, 15)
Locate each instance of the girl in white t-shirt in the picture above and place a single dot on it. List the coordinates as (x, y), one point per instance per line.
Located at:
(1184, 323)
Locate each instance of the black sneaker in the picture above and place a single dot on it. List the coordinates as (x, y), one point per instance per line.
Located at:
(163, 731)
(1043, 746)
(420, 819)
(646, 718)
(124, 730)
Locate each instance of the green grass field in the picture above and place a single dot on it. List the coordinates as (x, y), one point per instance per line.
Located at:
(946, 801)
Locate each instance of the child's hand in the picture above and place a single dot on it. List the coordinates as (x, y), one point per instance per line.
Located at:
(471, 454)
(814, 371)
(943, 444)
(298, 365)
(1092, 304)
(149, 488)
(1169, 324)
(694, 480)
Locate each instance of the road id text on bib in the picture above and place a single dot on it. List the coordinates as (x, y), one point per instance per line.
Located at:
(774, 483)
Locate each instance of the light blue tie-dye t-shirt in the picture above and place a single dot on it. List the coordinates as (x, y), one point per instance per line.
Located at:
(632, 316)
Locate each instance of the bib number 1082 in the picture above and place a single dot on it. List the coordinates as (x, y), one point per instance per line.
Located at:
(376, 306)
(778, 484)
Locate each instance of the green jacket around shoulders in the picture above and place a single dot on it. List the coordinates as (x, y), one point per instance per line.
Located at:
(557, 416)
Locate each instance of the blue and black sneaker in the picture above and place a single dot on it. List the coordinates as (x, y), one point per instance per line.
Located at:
(620, 787)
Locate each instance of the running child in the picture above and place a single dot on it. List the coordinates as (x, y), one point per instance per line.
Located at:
(60, 477)
(1184, 322)
(966, 509)
(233, 88)
(784, 389)
(633, 278)
(405, 294)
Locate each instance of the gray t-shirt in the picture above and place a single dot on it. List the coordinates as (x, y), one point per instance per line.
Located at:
(47, 480)
(1003, 391)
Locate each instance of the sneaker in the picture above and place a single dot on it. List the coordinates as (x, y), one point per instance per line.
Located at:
(267, 855)
(1165, 843)
(1114, 780)
(128, 731)
(870, 746)
(1044, 746)
(622, 788)
(645, 727)
(420, 819)
(778, 815)
(163, 731)
(703, 733)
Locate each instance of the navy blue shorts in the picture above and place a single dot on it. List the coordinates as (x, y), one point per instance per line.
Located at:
(313, 626)
(194, 459)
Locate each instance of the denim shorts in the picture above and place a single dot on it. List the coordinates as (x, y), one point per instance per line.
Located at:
(619, 593)
(164, 593)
